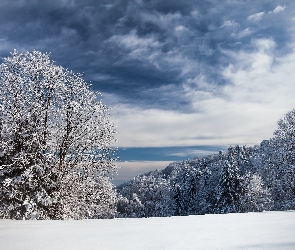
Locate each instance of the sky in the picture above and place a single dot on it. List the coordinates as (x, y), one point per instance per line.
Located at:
(181, 78)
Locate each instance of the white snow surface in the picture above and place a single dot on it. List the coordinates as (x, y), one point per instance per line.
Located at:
(266, 230)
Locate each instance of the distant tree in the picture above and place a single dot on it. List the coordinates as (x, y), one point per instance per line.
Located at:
(146, 196)
(285, 138)
(55, 143)
(285, 144)
(277, 163)
(231, 188)
(186, 187)
(257, 198)
(129, 206)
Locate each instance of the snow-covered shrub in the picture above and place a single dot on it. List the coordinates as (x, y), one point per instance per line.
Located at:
(55, 143)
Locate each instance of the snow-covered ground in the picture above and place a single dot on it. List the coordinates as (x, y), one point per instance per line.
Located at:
(267, 230)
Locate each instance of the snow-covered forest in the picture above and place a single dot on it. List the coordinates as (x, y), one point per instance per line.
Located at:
(57, 159)
(243, 179)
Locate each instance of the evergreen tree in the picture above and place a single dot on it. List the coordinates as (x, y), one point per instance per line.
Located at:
(186, 189)
(284, 143)
(276, 165)
(231, 188)
(146, 196)
(257, 198)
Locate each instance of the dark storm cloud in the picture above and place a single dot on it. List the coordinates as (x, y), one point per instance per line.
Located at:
(136, 49)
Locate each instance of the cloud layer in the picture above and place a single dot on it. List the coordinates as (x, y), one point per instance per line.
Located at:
(175, 73)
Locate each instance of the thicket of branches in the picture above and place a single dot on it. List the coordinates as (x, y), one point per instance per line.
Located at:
(55, 143)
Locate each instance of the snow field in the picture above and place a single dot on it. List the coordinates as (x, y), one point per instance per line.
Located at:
(267, 230)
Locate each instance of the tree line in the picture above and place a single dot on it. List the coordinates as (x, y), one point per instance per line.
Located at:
(243, 179)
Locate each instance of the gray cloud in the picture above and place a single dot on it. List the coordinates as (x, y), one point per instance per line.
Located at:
(160, 55)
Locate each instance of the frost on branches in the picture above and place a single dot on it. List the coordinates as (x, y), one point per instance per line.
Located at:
(56, 158)
(146, 196)
(277, 156)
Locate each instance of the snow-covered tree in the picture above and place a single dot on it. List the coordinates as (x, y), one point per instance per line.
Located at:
(146, 196)
(231, 188)
(276, 160)
(186, 187)
(56, 154)
(257, 198)
(130, 206)
(284, 142)
(285, 138)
